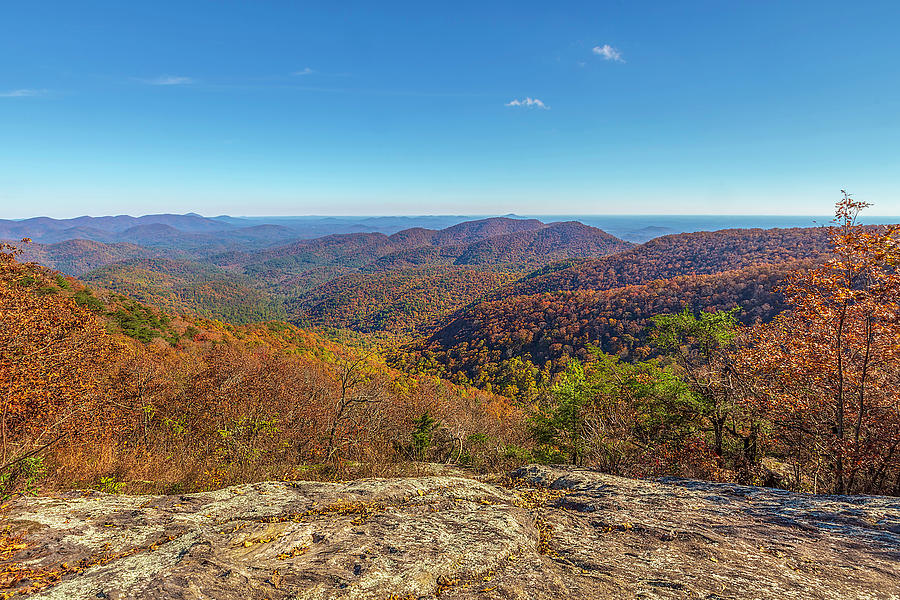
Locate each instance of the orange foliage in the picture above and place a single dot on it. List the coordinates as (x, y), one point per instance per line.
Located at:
(52, 355)
(550, 328)
(827, 373)
(204, 403)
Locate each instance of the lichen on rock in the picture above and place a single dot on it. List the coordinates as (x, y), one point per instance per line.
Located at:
(542, 532)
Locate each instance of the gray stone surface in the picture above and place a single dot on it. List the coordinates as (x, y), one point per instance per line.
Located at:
(544, 532)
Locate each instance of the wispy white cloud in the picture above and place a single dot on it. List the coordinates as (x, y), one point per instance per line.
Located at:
(304, 71)
(167, 80)
(22, 93)
(528, 103)
(608, 53)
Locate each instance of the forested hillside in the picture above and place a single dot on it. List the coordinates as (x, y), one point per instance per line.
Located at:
(555, 327)
(700, 253)
(677, 356)
(562, 309)
(102, 390)
(183, 286)
(77, 257)
(397, 301)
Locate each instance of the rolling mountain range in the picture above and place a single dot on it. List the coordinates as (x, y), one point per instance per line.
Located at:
(495, 241)
(166, 265)
(461, 300)
(125, 228)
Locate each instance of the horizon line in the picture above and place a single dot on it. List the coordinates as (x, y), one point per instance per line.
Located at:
(436, 215)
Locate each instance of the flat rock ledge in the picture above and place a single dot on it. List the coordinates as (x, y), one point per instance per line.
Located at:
(541, 532)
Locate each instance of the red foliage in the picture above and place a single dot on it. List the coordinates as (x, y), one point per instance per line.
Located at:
(828, 371)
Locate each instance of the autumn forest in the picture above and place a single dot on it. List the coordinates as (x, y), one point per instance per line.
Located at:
(180, 354)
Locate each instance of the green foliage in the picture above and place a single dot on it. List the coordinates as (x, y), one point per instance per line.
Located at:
(46, 290)
(560, 422)
(700, 344)
(547, 454)
(111, 485)
(22, 477)
(62, 282)
(85, 297)
(607, 411)
(519, 454)
(703, 332)
(661, 406)
(139, 322)
(423, 430)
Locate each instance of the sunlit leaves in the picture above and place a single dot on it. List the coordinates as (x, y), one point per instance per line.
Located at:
(828, 371)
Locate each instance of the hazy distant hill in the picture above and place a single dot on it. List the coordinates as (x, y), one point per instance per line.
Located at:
(555, 241)
(644, 234)
(482, 229)
(39, 227)
(112, 228)
(159, 235)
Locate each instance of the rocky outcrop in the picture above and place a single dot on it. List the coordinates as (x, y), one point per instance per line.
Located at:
(543, 532)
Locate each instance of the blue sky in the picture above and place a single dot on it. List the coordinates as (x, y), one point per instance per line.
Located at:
(265, 108)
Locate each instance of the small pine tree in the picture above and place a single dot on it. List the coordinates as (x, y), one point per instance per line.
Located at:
(423, 430)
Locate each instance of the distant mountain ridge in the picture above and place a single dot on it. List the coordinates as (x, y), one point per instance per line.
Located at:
(109, 228)
(498, 240)
(37, 227)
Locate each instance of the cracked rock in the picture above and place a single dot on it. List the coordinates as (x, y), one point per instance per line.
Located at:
(544, 532)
